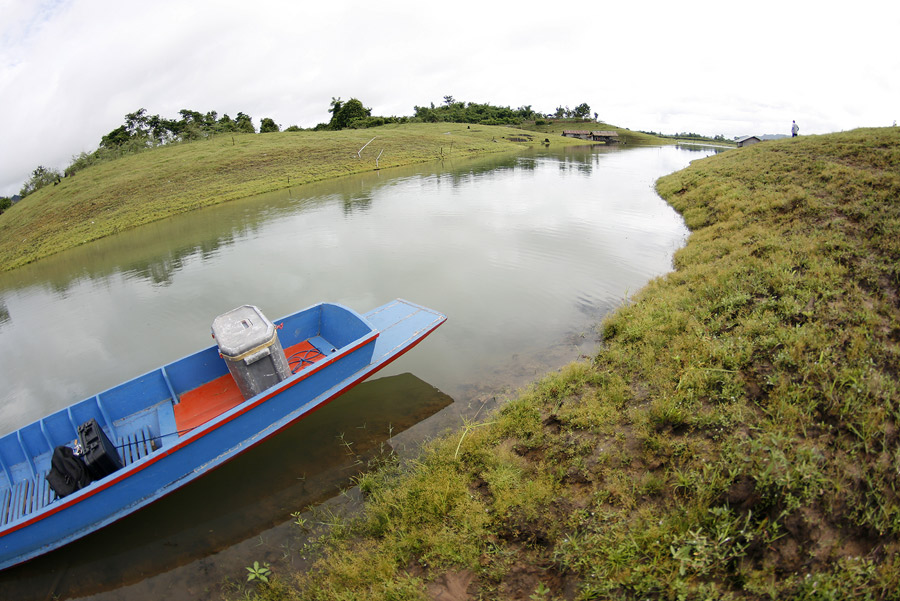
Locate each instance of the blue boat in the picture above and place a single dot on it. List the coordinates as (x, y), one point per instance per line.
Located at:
(178, 422)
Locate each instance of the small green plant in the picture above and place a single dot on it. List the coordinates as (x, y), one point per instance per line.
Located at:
(541, 592)
(468, 426)
(299, 520)
(259, 573)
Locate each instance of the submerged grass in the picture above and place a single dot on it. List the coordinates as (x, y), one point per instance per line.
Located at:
(737, 436)
(166, 181)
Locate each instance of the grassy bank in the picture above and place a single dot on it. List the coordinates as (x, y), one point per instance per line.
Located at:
(166, 181)
(736, 436)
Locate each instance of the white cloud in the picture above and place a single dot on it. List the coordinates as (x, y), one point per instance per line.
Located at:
(70, 70)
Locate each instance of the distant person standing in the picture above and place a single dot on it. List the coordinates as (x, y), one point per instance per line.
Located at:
(794, 129)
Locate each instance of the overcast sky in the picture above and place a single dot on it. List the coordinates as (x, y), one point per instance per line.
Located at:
(71, 69)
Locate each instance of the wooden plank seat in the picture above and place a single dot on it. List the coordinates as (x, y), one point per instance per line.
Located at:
(136, 445)
(25, 497)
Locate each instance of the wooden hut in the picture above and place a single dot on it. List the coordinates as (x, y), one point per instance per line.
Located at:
(610, 137)
(577, 133)
(747, 141)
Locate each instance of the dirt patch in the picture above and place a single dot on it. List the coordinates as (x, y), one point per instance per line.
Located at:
(552, 423)
(481, 489)
(517, 528)
(523, 582)
(526, 582)
(742, 494)
(452, 586)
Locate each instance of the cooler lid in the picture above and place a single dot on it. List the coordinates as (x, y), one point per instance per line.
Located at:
(242, 330)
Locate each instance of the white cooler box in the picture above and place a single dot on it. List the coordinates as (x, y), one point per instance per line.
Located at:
(251, 349)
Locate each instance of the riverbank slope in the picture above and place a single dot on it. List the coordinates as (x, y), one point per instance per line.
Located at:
(162, 182)
(736, 435)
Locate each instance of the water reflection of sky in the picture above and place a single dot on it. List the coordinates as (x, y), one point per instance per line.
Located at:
(519, 251)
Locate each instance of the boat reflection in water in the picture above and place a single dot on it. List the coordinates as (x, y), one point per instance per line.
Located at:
(256, 491)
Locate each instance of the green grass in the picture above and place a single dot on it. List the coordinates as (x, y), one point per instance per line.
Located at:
(162, 182)
(737, 436)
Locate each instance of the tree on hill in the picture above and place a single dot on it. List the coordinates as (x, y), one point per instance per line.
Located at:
(115, 138)
(343, 114)
(40, 177)
(526, 112)
(225, 124)
(244, 124)
(268, 125)
(336, 104)
(192, 126)
(137, 123)
(582, 111)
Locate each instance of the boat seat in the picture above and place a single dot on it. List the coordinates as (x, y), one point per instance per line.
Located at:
(24, 498)
(136, 445)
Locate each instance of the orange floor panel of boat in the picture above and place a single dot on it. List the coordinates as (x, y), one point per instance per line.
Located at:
(198, 406)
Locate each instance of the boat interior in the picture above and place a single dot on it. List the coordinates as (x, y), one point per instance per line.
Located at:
(151, 412)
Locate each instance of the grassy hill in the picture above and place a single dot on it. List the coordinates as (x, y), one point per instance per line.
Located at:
(737, 436)
(165, 181)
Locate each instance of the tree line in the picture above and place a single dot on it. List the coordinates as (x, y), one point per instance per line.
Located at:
(687, 135)
(141, 130)
(454, 111)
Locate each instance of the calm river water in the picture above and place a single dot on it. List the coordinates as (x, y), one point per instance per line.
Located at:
(524, 254)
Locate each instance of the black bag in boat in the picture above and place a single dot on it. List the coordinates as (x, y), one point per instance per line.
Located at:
(68, 472)
(99, 454)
